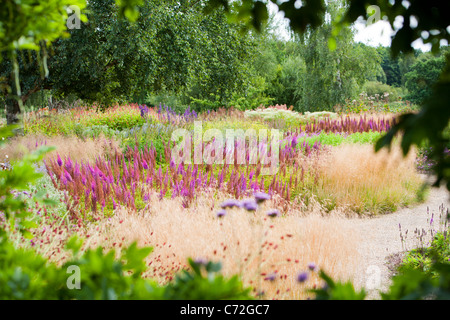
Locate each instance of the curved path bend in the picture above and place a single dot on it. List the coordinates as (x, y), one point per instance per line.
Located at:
(381, 241)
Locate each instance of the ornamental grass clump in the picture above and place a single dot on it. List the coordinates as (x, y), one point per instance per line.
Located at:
(250, 244)
(357, 178)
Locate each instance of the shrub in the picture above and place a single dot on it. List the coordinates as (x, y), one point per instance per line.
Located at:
(378, 90)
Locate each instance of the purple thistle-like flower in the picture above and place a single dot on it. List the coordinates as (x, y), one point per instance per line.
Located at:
(201, 261)
(312, 266)
(144, 164)
(230, 204)
(249, 205)
(273, 213)
(302, 277)
(261, 197)
(221, 213)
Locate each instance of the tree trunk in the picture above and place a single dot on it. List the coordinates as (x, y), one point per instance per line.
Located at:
(13, 114)
(12, 111)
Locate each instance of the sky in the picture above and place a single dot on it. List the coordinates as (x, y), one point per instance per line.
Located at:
(375, 34)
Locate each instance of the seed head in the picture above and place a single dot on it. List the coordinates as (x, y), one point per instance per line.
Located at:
(230, 204)
(221, 213)
(261, 197)
(273, 213)
(249, 205)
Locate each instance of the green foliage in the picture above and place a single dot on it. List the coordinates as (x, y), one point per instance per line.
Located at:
(170, 46)
(29, 25)
(410, 285)
(116, 119)
(338, 139)
(96, 275)
(149, 134)
(288, 117)
(94, 131)
(425, 126)
(391, 70)
(254, 97)
(203, 282)
(24, 24)
(424, 259)
(221, 71)
(378, 90)
(333, 290)
(272, 114)
(416, 285)
(25, 275)
(332, 75)
(424, 73)
(286, 81)
(15, 180)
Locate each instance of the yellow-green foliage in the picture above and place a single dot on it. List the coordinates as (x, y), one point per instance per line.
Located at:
(288, 116)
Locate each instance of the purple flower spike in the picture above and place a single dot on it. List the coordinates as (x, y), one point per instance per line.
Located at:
(221, 213)
(261, 197)
(273, 213)
(294, 142)
(230, 204)
(59, 161)
(302, 277)
(249, 205)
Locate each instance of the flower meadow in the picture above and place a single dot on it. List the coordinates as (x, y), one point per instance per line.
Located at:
(116, 180)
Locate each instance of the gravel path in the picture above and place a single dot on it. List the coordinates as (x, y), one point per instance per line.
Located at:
(381, 239)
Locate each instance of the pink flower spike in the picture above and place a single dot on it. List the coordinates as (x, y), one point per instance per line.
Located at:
(59, 161)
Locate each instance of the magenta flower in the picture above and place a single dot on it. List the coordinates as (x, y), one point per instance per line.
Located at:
(59, 161)
(67, 176)
(294, 142)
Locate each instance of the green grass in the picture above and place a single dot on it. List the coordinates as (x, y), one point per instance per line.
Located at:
(336, 139)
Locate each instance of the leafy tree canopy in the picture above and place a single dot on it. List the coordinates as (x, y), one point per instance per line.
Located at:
(422, 19)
